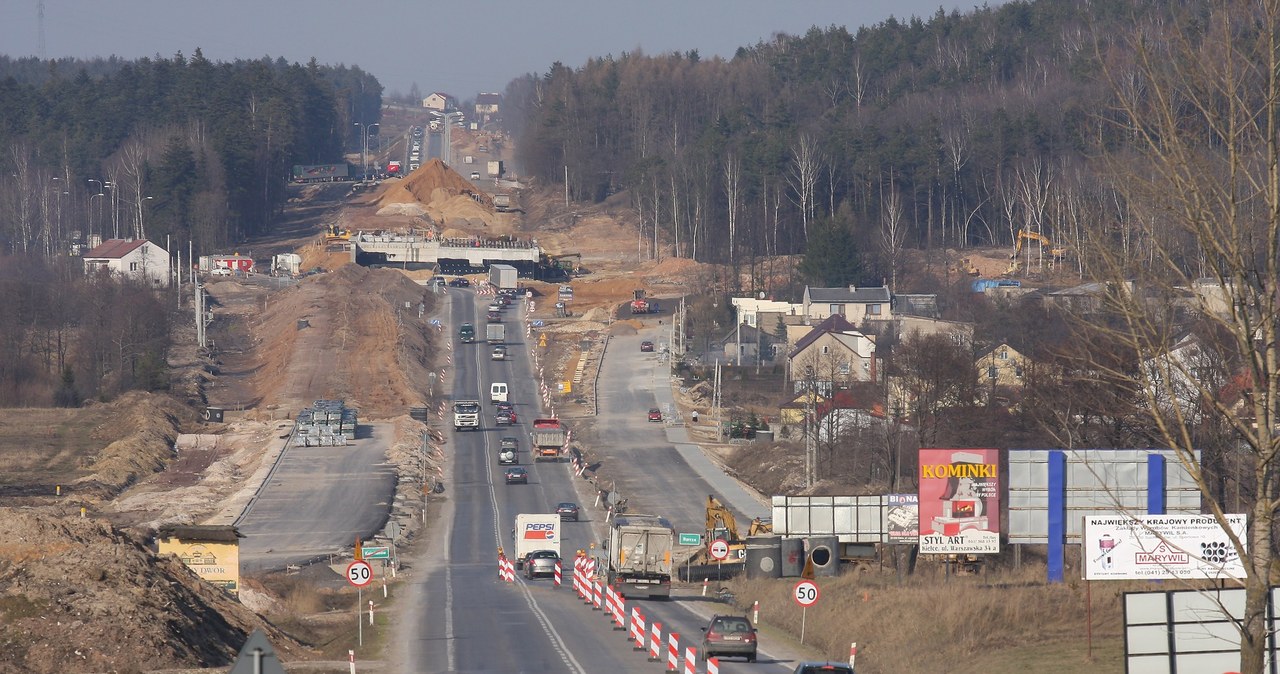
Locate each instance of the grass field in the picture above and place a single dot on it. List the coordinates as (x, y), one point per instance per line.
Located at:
(42, 448)
(1004, 623)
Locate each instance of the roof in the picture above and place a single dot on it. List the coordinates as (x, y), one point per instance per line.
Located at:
(851, 399)
(440, 94)
(925, 306)
(116, 248)
(833, 323)
(216, 533)
(992, 349)
(748, 335)
(488, 99)
(849, 295)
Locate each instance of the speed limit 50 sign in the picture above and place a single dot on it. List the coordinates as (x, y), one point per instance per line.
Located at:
(359, 573)
(806, 593)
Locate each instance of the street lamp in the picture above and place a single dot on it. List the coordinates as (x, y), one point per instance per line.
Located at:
(115, 207)
(91, 196)
(364, 147)
(142, 230)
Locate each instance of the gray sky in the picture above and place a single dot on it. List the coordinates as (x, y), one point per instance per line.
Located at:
(461, 48)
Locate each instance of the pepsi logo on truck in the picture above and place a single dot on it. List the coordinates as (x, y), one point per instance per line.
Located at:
(540, 531)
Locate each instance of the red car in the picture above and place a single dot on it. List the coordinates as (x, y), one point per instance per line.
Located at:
(646, 346)
(655, 414)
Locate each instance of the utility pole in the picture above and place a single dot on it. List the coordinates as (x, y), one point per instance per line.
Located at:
(566, 186)
(810, 431)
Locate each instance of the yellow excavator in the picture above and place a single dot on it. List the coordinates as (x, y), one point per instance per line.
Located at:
(1055, 253)
(721, 524)
(335, 234)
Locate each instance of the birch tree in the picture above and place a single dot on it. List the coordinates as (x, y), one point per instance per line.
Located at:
(1202, 104)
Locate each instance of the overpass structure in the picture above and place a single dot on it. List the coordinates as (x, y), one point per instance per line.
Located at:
(451, 256)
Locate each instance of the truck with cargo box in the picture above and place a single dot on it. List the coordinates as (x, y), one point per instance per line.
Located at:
(495, 333)
(495, 169)
(535, 532)
(639, 553)
(503, 276)
(549, 437)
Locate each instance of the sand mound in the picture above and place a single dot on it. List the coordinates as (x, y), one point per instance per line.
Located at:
(142, 429)
(88, 598)
(411, 209)
(422, 185)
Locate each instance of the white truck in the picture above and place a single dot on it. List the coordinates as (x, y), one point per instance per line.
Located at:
(535, 532)
(503, 276)
(495, 333)
(639, 551)
(466, 414)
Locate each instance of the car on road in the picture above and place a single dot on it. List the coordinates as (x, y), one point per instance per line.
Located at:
(822, 668)
(493, 317)
(655, 414)
(568, 511)
(646, 346)
(517, 475)
(460, 283)
(540, 563)
(221, 271)
(475, 175)
(729, 635)
(499, 352)
(494, 308)
(504, 417)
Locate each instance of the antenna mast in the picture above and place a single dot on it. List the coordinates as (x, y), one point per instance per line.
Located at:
(40, 21)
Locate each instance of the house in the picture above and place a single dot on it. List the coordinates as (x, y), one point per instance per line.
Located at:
(847, 411)
(1087, 297)
(135, 259)
(750, 308)
(831, 356)
(212, 552)
(854, 304)
(487, 105)
(745, 342)
(1183, 375)
(793, 412)
(1001, 366)
(440, 101)
(961, 333)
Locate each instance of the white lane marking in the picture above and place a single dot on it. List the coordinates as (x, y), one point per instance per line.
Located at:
(557, 642)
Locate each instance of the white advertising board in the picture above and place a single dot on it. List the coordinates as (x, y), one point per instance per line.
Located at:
(1161, 546)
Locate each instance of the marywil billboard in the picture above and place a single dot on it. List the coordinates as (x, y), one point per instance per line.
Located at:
(959, 501)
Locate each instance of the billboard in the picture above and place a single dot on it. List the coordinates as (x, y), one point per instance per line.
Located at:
(959, 501)
(902, 518)
(1161, 546)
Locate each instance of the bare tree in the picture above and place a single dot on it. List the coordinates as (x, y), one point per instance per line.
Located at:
(1202, 104)
(733, 195)
(893, 231)
(802, 176)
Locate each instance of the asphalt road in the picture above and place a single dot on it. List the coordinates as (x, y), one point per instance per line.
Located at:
(318, 500)
(467, 620)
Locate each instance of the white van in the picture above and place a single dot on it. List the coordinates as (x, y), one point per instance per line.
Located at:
(498, 392)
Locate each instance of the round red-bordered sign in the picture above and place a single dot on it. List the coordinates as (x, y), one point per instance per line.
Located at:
(719, 549)
(806, 593)
(359, 573)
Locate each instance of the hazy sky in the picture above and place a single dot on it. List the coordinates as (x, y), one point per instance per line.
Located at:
(461, 48)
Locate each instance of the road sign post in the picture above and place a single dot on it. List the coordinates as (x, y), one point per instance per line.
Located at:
(806, 594)
(360, 574)
(719, 550)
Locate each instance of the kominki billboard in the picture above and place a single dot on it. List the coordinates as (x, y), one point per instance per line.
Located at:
(959, 501)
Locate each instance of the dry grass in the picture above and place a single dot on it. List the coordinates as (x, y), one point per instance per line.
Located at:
(960, 624)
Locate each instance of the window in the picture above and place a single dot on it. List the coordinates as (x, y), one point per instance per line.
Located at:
(873, 309)
(836, 309)
(844, 368)
(826, 349)
(1017, 371)
(1004, 354)
(133, 266)
(991, 372)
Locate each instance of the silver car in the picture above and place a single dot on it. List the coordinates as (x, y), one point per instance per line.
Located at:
(540, 563)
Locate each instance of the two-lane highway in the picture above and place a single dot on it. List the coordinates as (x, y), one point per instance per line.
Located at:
(462, 617)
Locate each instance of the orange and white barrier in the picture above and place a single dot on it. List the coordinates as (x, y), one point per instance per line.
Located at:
(596, 593)
(691, 660)
(655, 641)
(556, 577)
(673, 652)
(506, 570)
(713, 666)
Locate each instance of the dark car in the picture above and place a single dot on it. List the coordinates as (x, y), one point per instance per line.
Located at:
(567, 511)
(504, 417)
(822, 668)
(646, 346)
(729, 635)
(655, 414)
(540, 563)
(517, 476)
(460, 283)
(493, 317)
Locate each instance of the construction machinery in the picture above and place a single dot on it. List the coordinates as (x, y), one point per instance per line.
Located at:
(721, 524)
(1054, 253)
(640, 305)
(335, 234)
